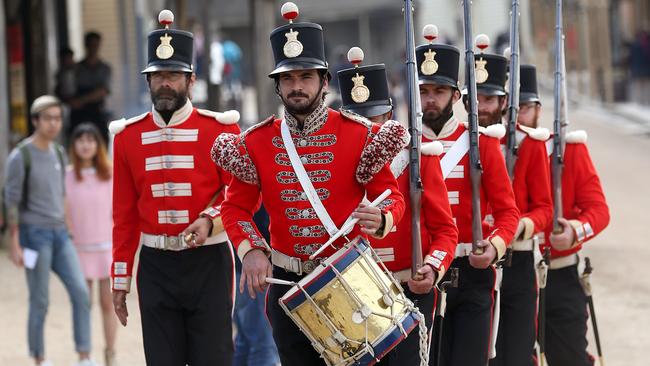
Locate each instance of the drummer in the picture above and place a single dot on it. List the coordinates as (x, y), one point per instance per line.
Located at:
(340, 158)
(439, 233)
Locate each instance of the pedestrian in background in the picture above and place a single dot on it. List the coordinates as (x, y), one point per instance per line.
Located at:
(89, 188)
(34, 196)
(92, 81)
(254, 345)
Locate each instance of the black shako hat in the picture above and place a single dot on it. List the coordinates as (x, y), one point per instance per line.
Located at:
(490, 69)
(528, 84)
(364, 89)
(169, 49)
(436, 63)
(297, 46)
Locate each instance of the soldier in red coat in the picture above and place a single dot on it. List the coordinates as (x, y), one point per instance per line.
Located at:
(531, 185)
(344, 158)
(468, 319)
(167, 194)
(586, 214)
(439, 233)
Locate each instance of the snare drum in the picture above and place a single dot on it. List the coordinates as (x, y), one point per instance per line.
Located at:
(350, 307)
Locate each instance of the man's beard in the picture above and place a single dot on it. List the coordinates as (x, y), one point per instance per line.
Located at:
(436, 120)
(168, 100)
(300, 108)
(485, 119)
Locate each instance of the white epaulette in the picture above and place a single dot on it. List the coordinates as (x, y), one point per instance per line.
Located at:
(119, 125)
(433, 148)
(495, 130)
(227, 118)
(540, 133)
(576, 137)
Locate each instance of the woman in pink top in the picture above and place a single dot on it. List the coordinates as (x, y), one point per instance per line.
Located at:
(89, 187)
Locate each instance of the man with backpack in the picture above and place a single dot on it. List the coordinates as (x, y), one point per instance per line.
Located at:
(39, 240)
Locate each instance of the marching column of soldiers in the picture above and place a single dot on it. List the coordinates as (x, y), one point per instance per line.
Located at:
(373, 256)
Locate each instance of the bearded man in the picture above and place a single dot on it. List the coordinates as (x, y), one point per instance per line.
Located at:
(166, 197)
(312, 169)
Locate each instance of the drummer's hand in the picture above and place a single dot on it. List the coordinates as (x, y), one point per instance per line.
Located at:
(482, 261)
(201, 228)
(255, 268)
(369, 218)
(423, 285)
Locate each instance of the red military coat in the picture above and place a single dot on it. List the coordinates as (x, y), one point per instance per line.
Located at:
(163, 178)
(531, 180)
(438, 230)
(345, 157)
(495, 185)
(583, 200)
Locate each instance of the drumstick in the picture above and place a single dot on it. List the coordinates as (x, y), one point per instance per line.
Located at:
(350, 224)
(276, 281)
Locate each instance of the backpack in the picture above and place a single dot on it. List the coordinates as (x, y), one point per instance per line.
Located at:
(27, 165)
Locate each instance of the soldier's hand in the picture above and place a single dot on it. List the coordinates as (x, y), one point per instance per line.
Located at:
(565, 239)
(201, 229)
(369, 218)
(482, 261)
(255, 268)
(424, 284)
(119, 304)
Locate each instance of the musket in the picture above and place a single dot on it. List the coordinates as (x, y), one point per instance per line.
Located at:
(415, 129)
(475, 169)
(513, 95)
(586, 286)
(557, 158)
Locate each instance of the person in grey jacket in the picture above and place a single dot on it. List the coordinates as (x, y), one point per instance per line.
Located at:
(34, 199)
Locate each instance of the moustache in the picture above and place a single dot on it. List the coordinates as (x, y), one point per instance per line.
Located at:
(297, 94)
(166, 93)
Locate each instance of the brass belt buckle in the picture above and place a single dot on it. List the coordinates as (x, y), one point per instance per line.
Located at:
(308, 266)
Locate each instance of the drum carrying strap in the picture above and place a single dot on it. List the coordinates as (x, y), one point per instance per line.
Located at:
(305, 182)
(455, 153)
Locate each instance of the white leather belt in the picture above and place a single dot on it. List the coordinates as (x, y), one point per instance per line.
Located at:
(523, 245)
(177, 242)
(563, 262)
(463, 249)
(294, 264)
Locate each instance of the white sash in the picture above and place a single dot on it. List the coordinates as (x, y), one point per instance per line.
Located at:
(455, 153)
(305, 182)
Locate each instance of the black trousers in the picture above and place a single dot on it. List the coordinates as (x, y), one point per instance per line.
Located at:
(294, 347)
(186, 304)
(518, 315)
(468, 317)
(407, 352)
(566, 319)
